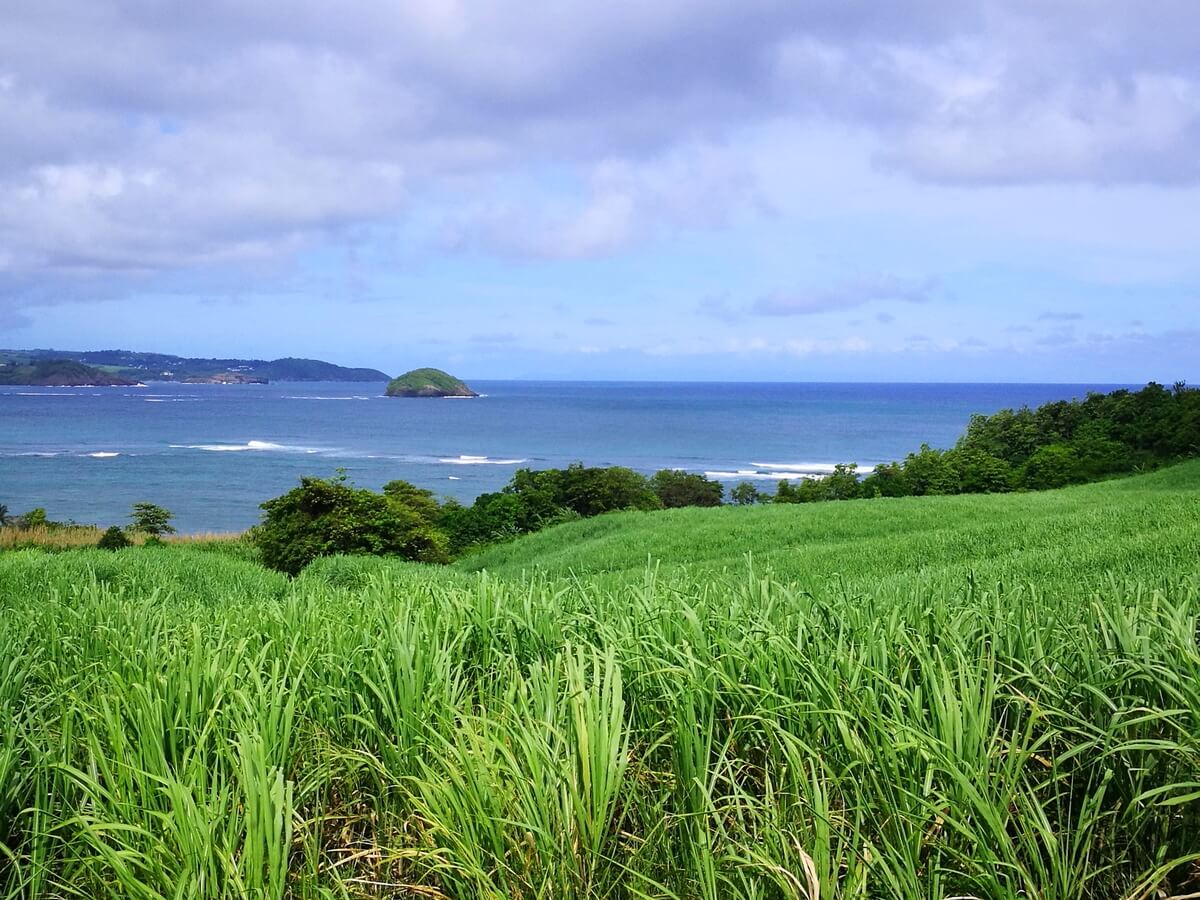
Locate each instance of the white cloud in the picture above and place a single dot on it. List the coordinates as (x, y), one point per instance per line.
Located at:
(145, 138)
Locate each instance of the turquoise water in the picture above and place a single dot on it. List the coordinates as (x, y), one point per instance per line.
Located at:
(212, 453)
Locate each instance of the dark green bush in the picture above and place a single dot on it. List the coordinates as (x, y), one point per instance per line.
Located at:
(326, 517)
(676, 488)
(113, 539)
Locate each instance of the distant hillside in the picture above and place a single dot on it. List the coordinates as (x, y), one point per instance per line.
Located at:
(138, 366)
(58, 373)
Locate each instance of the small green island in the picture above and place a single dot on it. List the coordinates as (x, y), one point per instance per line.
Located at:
(428, 383)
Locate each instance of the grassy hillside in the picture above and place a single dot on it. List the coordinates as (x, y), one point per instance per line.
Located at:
(897, 723)
(1141, 526)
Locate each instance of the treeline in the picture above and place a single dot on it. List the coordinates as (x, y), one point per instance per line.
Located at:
(321, 517)
(1057, 444)
(1066, 442)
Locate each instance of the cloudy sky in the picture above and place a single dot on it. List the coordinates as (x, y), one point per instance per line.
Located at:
(795, 190)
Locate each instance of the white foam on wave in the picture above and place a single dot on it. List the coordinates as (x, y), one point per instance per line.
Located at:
(796, 467)
(751, 474)
(467, 460)
(47, 394)
(811, 468)
(453, 478)
(103, 454)
(259, 446)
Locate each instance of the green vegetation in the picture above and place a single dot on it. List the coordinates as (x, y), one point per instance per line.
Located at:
(744, 493)
(57, 373)
(428, 383)
(1068, 442)
(973, 696)
(676, 488)
(151, 519)
(1039, 537)
(113, 539)
(328, 517)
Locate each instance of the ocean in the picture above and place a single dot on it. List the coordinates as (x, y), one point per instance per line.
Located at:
(212, 453)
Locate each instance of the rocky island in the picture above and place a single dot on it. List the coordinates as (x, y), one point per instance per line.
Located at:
(225, 378)
(60, 373)
(428, 383)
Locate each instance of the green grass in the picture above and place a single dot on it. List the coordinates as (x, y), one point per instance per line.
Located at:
(1062, 539)
(991, 697)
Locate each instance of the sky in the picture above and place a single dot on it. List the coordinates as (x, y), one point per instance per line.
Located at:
(848, 190)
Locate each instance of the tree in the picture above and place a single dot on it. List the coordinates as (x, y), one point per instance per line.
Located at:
(35, 518)
(744, 494)
(676, 488)
(4, 517)
(785, 493)
(113, 539)
(539, 496)
(1052, 466)
(491, 519)
(325, 517)
(419, 500)
(887, 480)
(595, 490)
(1011, 436)
(842, 483)
(931, 471)
(982, 473)
(149, 518)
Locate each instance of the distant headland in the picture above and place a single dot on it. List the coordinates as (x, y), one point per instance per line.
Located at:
(59, 373)
(428, 383)
(129, 367)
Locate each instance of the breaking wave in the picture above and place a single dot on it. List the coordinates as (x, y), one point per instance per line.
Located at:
(466, 460)
(252, 446)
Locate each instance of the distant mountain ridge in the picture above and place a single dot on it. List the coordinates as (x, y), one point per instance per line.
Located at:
(138, 366)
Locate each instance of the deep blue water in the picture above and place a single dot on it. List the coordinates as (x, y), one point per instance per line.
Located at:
(212, 453)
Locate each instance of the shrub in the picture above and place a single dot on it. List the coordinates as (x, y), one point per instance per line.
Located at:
(113, 539)
(492, 518)
(591, 491)
(325, 517)
(1053, 466)
(744, 494)
(981, 473)
(887, 480)
(35, 518)
(408, 496)
(676, 488)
